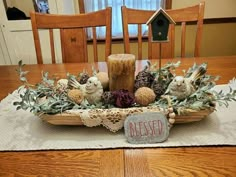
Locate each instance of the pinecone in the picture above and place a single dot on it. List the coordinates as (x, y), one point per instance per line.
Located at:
(108, 98)
(143, 79)
(83, 78)
(158, 88)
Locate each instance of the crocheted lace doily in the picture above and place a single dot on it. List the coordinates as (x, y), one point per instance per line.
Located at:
(113, 119)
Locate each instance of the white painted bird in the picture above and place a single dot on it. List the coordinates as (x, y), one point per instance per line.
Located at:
(92, 90)
(182, 87)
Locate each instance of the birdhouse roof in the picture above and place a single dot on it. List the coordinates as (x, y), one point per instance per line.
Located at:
(160, 11)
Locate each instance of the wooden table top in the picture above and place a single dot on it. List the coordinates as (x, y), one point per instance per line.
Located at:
(179, 161)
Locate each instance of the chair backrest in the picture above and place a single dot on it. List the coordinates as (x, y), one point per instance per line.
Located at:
(72, 34)
(184, 15)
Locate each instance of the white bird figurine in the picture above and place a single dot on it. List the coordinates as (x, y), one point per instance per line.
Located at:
(92, 90)
(182, 87)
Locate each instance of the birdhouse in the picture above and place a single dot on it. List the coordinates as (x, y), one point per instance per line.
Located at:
(160, 21)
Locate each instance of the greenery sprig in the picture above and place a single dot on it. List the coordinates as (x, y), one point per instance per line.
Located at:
(203, 98)
(43, 97)
(47, 98)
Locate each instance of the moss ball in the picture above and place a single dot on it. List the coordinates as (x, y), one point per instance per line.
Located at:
(103, 78)
(144, 96)
(76, 95)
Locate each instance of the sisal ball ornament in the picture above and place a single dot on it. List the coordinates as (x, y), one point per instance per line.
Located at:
(144, 96)
(76, 95)
(104, 79)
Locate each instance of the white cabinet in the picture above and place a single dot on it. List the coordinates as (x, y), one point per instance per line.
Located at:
(4, 55)
(17, 36)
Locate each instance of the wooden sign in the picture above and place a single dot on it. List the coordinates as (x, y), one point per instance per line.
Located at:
(151, 127)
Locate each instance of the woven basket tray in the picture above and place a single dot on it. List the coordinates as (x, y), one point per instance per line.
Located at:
(70, 118)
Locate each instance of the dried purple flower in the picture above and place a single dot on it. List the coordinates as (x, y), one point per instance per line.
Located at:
(123, 98)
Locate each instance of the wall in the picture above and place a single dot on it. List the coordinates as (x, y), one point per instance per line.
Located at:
(213, 8)
(66, 6)
(218, 39)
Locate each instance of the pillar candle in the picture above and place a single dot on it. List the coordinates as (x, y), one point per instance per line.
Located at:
(121, 71)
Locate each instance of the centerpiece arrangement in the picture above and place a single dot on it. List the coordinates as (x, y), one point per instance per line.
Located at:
(107, 98)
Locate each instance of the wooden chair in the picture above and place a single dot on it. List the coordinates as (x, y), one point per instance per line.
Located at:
(183, 16)
(72, 34)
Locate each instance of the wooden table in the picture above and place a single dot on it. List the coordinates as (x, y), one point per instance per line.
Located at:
(181, 161)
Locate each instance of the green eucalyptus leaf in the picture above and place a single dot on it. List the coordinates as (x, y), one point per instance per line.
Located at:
(23, 73)
(23, 79)
(20, 63)
(16, 103)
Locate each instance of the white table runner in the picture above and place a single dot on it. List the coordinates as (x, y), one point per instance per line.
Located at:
(21, 130)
